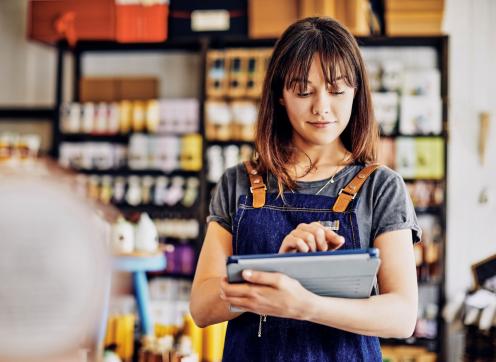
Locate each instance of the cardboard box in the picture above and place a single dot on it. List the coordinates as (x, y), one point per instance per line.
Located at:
(413, 23)
(52, 20)
(106, 89)
(140, 22)
(139, 88)
(415, 5)
(357, 16)
(318, 8)
(269, 19)
(98, 90)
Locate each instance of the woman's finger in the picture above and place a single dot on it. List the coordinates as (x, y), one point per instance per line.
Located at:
(334, 240)
(308, 237)
(293, 244)
(301, 246)
(319, 232)
(235, 289)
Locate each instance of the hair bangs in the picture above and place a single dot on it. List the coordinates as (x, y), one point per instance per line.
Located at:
(335, 66)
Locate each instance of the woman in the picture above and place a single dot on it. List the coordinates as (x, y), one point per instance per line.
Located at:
(316, 143)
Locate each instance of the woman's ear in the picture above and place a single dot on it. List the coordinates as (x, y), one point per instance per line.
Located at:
(281, 101)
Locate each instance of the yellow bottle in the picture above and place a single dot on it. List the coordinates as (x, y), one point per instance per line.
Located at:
(138, 116)
(213, 342)
(195, 333)
(125, 117)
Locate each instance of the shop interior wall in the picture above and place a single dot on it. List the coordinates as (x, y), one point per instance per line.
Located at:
(472, 88)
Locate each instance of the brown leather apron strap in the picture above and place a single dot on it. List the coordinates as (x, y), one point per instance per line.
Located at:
(257, 187)
(349, 192)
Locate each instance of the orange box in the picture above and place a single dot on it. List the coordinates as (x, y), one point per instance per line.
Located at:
(131, 21)
(53, 20)
(141, 23)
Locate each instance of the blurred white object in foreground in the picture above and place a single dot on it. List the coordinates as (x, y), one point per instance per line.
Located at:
(53, 269)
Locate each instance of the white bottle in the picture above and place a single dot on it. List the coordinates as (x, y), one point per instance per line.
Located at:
(146, 237)
(88, 118)
(122, 236)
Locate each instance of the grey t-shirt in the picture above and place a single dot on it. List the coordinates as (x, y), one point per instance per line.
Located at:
(384, 203)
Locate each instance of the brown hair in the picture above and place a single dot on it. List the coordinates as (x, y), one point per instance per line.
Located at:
(289, 67)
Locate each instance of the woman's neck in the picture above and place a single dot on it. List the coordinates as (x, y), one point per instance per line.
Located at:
(317, 162)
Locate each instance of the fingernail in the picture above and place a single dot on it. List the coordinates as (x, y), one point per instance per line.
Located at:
(247, 274)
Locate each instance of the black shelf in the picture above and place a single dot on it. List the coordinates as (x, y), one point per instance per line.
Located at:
(182, 45)
(27, 114)
(430, 344)
(112, 138)
(429, 283)
(436, 41)
(166, 274)
(228, 143)
(436, 210)
(81, 137)
(424, 179)
(131, 172)
(240, 42)
(157, 211)
(428, 135)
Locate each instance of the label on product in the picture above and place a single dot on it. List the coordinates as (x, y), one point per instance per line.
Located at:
(210, 20)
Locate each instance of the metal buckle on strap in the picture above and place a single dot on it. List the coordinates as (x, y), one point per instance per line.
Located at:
(258, 188)
(346, 193)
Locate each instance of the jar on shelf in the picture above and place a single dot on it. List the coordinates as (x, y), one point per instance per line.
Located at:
(218, 121)
(244, 116)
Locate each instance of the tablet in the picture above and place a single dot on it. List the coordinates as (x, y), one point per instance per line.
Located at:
(342, 273)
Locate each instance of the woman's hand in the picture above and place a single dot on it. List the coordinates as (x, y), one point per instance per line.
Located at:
(273, 294)
(311, 237)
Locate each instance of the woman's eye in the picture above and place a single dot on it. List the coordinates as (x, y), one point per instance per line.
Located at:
(304, 94)
(337, 92)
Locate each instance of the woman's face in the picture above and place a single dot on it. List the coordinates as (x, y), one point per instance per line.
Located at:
(320, 113)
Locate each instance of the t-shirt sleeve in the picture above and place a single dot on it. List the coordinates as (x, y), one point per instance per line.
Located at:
(394, 210)
(219, 210)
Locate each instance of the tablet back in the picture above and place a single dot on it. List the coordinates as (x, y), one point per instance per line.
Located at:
(326, 274)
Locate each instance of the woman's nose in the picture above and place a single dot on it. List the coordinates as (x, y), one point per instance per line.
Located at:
(322, 104)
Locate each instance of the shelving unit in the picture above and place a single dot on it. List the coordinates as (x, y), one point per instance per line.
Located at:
(197, 46)
(202, 46)
(440, 45)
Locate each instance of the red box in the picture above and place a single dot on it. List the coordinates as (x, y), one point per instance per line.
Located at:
(53, 20)
(141, 23)
(129, 21)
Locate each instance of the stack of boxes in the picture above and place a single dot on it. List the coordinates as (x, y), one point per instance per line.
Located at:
(409, 17)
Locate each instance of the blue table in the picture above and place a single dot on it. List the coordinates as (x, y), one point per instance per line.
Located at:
(138, 265)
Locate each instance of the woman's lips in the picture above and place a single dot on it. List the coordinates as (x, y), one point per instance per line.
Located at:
(322, 124)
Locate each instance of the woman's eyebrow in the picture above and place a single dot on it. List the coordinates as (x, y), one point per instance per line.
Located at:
(298, 80)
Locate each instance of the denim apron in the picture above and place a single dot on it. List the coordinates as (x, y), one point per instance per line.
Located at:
(260, 229)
